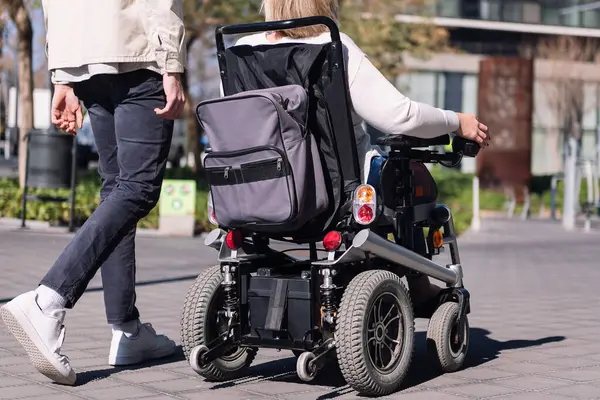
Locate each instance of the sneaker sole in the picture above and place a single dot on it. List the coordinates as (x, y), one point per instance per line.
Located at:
(137, 359)
(36, 354)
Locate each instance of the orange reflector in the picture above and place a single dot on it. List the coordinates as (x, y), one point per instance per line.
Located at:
(419, 191)
(438, 239)
(365, 194)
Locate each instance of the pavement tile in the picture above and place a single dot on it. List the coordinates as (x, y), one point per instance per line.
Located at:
(525, 367)
(581, 391)
(534, 396)
(177, 385)
(231, 394)
(143, 376)
(117, 392)
(19, 392)
(531, 382)
(580, 374)
(482, 374)
(6, 381)
(479, 390)
(427, 395)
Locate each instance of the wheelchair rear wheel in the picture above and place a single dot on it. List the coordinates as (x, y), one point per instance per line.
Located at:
(200, 325)
(375, 333)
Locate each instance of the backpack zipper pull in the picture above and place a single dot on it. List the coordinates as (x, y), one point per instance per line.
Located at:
(279, 164)
(226, 173)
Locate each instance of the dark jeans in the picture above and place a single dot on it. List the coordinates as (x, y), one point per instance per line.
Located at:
(133, 143)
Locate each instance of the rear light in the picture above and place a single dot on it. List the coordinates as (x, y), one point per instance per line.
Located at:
(332, 241)
(212, 218)
(234, 239)
(365, 204)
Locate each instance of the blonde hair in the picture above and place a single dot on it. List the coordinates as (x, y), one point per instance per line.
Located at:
(277, 10)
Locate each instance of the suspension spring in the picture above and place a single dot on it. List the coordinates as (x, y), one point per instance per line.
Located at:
(328, 301)
(230, 300)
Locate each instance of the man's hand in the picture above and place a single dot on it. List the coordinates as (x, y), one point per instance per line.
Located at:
(470, 128)
(175, 97)
(66, 109)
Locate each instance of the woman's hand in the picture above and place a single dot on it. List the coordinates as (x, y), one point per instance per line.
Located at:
(470, 128)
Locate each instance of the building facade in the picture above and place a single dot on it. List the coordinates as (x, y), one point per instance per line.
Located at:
(483, 28)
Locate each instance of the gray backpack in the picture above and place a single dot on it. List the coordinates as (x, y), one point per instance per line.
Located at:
(264, 169)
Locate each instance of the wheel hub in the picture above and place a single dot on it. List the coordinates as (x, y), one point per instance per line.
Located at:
(380, 332)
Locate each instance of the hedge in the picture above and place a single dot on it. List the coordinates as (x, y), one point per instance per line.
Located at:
(454, 189)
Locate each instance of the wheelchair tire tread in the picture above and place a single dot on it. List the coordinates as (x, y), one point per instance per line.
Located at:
(195, 307)
(349, 331)
(438, 346)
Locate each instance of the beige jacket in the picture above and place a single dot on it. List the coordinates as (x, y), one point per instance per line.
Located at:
(82, 32)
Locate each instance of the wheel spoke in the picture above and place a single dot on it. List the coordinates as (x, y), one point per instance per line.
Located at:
(388, 314)
(379, 304)
(380, 355)
(389, 338)
(390, 321)
(392, 351)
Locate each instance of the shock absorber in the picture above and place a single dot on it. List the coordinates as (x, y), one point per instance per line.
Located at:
(230, 300)
(328, 303)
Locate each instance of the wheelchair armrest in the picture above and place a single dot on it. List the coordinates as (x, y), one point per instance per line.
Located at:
(396, 141)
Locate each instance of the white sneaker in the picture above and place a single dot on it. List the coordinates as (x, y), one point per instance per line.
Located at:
(146, 345)
(41, 335)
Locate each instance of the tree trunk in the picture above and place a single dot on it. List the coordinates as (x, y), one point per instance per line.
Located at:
(20, 17)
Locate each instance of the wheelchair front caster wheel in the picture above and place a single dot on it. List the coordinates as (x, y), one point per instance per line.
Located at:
(305, 369)
(195, 356)
(444, 345)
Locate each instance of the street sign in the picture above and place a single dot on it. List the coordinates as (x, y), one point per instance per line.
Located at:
(177, 198)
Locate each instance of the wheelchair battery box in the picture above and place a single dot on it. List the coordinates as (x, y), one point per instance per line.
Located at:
(280, 307)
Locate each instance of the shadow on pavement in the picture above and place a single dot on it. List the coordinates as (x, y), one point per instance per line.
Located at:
(89, 376)
(482, 349)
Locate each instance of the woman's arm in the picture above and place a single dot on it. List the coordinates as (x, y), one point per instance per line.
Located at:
(381, 105)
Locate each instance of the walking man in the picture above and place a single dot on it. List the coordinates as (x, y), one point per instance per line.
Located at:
(123, 60)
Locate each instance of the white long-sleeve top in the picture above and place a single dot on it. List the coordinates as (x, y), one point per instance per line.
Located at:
(376, 100)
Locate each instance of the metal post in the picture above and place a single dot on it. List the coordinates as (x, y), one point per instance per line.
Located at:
(476, 221)
(590, 195)
(553, 186)
(570, 182)
(24, 200)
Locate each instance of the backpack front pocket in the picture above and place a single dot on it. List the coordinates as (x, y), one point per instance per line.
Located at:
(251, 187)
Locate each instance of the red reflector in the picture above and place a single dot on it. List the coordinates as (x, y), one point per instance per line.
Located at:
(234, 239)
(332, 241)
(365, 214)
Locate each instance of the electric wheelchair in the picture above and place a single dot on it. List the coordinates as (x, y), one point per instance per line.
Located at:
(345, 304)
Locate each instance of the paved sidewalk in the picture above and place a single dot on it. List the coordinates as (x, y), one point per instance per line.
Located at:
(535, 326)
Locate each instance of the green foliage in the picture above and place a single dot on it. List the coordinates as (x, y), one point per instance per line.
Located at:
(371, 24)
(455, 189)
(87, 199)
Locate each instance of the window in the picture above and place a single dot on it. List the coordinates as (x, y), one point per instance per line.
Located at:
(512, 11)
(490, 10)
(449, 8)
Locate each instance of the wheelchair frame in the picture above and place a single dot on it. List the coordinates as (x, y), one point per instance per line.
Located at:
(271, 299)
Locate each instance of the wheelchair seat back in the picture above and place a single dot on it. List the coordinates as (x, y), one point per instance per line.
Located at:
(330, 172)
